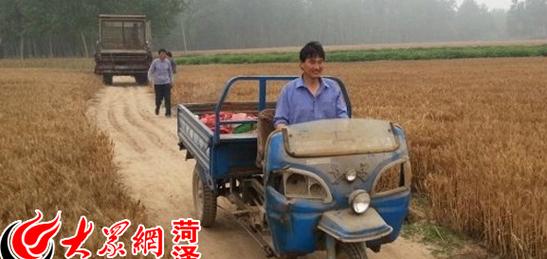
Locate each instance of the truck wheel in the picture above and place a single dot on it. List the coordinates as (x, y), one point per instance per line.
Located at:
(141, 79)
(350, 251)
(107, 79)
(205, 200)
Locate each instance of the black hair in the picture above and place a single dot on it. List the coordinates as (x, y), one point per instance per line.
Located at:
(162, 50)
(169, 54)
(312, 49)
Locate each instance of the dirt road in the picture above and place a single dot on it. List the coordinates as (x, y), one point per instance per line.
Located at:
(155, 173)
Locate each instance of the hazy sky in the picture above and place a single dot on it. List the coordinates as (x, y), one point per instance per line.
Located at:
(501, 4)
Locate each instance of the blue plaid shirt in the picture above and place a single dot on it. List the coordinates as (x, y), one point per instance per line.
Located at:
(296, 104)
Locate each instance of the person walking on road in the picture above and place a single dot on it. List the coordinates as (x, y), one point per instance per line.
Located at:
(161, 76)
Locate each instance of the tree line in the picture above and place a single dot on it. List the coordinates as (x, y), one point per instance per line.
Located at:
(36, 28)
(218, 24)
(53, 28)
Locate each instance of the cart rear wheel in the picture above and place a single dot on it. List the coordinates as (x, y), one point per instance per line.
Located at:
(350, 251)
(205, 200)
(141, 79)
(107, 79)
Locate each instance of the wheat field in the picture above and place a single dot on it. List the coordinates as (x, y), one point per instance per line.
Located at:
(477, 131)
(53, 158)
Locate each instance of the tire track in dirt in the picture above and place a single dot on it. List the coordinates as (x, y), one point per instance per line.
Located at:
(132, 125)
(113, 121)
(145, 111)
(154, 171)
(136, 122)
(140, 109)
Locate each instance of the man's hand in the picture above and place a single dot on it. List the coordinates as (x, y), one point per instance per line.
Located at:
(280, 126)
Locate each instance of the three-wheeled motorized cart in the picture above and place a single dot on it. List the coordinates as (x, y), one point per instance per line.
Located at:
(339, 185)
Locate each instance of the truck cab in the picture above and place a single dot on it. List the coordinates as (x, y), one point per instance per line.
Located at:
(123, 47)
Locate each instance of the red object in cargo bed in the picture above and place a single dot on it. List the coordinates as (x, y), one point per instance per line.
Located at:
(209, 120)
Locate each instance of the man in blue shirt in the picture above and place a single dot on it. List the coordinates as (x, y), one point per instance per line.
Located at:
(310, 97)
(161, 75)
(307, 98)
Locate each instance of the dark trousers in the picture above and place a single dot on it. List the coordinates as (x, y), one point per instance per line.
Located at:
(163, 92)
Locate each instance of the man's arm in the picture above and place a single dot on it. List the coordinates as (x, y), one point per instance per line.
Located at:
(171, 79)
(151, 72)
(281, 118)
(341, 107)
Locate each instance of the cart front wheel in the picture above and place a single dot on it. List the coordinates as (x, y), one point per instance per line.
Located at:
(350, 251)
(205, 200)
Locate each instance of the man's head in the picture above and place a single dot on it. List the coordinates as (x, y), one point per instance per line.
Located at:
(162, 53)
(169, 54)
(312, 57)
(312, 49)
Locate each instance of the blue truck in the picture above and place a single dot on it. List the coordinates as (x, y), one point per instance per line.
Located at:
(340, 185)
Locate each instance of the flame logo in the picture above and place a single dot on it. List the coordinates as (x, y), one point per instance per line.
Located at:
(30, 239)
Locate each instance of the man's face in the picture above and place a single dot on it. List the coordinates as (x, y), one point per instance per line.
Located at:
(163, 55)
(312, 67)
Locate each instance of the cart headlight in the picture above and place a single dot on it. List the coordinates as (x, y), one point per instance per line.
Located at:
(393, 177)
(360, 201)
(301, 184)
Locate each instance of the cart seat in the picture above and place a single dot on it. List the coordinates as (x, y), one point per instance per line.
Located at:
(264, 127)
